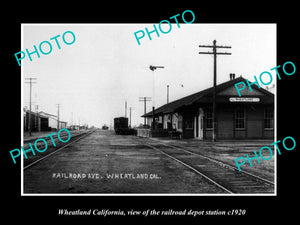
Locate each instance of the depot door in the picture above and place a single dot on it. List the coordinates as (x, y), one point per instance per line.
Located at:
(198, 128)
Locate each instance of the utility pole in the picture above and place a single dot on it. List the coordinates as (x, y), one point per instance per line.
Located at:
(72, 119)
(130, 108)
(153, 86)
(145, 100)
(29, 119)
(38, 124)
(167, 94)
(125, 108)
(57, 117)
(215, 53)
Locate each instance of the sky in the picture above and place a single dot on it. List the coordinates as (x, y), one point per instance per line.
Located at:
(92, 78)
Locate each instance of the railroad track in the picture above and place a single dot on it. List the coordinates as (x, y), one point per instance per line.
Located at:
(48, 139)
(225, 176)
(33, 160)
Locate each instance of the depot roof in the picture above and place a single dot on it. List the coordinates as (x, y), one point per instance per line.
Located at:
(205, 96)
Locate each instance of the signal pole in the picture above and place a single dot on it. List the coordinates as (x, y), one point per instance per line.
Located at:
(168, 94)
(145, 100)
(215, 53)
(29, 119)
(153, 86)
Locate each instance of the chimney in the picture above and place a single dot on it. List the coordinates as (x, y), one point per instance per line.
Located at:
(232, 76)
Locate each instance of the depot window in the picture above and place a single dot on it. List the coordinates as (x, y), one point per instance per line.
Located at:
(240, 118)
(209, 117)
(179, 122)
(188, 123)
(269, 118)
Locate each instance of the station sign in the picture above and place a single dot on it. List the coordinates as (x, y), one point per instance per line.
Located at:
(242, 99)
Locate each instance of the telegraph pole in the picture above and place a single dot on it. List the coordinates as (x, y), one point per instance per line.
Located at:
(215, 53)
(72, 119)
(153, 86)
(130, 108)
(57, 117)
(37, 118)
(145, 100)
(129, 117)
(125, 108)
(29, 119)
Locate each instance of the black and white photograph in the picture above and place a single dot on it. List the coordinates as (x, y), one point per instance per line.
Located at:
(149, 113)
(159, 114)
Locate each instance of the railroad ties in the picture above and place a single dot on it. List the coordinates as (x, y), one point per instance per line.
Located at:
(225, 176)
(34, 159)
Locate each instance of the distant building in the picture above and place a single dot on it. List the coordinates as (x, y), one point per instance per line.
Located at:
(53, 121)
(247, 117)
(78, 127)
(41, 121)
(74, 127)
(38, 122)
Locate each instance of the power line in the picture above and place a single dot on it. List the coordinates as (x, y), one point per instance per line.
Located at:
(215, 53)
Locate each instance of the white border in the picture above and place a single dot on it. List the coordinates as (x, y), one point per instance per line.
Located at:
(154, 194)
(22, 118)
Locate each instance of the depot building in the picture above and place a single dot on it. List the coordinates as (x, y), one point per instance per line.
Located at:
(248, 117)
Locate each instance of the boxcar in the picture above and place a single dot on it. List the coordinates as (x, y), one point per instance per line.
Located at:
(121, 126)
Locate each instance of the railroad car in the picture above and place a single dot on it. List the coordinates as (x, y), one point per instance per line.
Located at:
(121, 126)
(104, 127)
